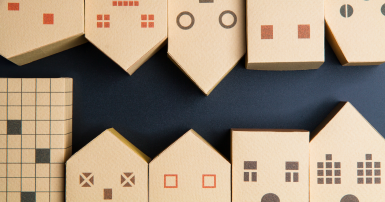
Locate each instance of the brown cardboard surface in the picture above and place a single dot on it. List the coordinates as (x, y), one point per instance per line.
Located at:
(31, 29)
(203, 48)
(285, 35)
(270, 165)
(354, 31)
(35, 138)
(129, 32)
(190, 170)
(107, 168)
(346, 154)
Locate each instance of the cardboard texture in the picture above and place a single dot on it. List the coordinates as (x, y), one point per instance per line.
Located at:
(190, 170)
(206, 38)
(346, 157)
(108, 168)
(285, 35)
(35, 138)
(270, 165)
(34, 29)
(355, 31)
(129, 32)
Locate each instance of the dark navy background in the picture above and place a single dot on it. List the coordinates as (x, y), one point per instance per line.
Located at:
(159, 103)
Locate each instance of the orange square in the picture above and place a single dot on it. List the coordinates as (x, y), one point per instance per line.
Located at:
(143, 17)
(144, 24)
(131, 3)
(106, 24)
(304, 31)
(120, 3)
(114, 3)
(13, 6)
(169, 181)
(267, 32)
(151, 24)
(208, 184)
(99, 24)
(106, 17)
(150, 17)
(136, 3)
(47, 19)
(99, 17)
(125, 3)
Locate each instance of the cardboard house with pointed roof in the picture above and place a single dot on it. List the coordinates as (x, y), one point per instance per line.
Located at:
(355, 30)
(129, 32)
(107, 168)
(206, 38)
(270, 165)
(190, 170)
(346, 158)
(34, 29)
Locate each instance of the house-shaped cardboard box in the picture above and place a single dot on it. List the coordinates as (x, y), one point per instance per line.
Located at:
(190, 170)
(107, 168)
(346, 158)
(355, 30)
(270, 165)
(206, 38)
(34, 29)
(35, 138)
(285, 35)
(129, 32)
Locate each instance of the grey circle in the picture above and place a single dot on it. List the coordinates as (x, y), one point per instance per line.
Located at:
(349, 198)
(270, 198)
(178, 20)
(383, 9)
(221, 21)
(346, 10)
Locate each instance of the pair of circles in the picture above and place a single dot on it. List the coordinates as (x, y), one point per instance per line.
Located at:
(346, 10)
(193, 20)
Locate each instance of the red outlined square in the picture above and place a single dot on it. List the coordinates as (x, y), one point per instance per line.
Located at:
(203, 181)
(125, 3)
(150, 17)
(136, 3)
(114, 3)
(120, 3)
(13, 6)
(106, 24)
(304, 31)
(48, 18)
(170, 176)
(144, 24)
(106, 17)
(143, 17)
(151, 25)
(99, 17)
(267, 32)
(99, 25)
(131, 3)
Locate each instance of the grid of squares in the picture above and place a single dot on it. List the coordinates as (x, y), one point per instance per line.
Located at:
(103, 21)
(325, 171)
(292, 166)
(250, 165)
(125, 3)
(146, 18)
(369, 171)
(35, 138)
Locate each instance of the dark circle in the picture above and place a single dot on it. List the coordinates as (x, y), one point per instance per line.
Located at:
(349, 198)
(270, 198)
(383, 9)
(221, 21)
(346, 10)
(178, 20)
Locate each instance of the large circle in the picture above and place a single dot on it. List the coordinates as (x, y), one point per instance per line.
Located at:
(349, 198)
(270, 198)
(221, 19)
(185, 27)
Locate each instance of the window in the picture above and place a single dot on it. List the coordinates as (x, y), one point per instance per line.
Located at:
(267, 32)
(86, 180)
(250, 165)
(326, 172)
(209, 181)
(346, 11)
(127, 179)
(170, 181)
(369, 172)
(291, 166)
(146, 18)
(304, 31)
(103, 21)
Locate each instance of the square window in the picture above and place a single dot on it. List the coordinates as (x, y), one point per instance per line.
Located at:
(143, 17)
(320, 180)
(13, 6)
(131, 3)
(107, 194)
(42, 184)
(28, 170)
(369, 180)
(14, 184)
(150, 17)
(3, 170)
(28, 184)
(106, 17)
(14, 155)
(43, 197)
(250, 165)
(368, 157)
(57, 184)
(136, 3)
(43, 113)
(368, 164)
(106, 24)
(120, 3)
(337, 165)
(14, 127)
(99, 17)
(328, 157)
(114, 3)
(171, 181)
(360, 180)
(377, 180)
(14, 113)
(125, 3)
(14, 141)
(287, 177)
(377, 164)
(209, 181)
(29, 113)
(99, 24)
(47, 19)
(320, 165)
(329, 173)
(28, 141)
(267, 32)
(43, 156)
(360, 165)
(329, 165)
(42, 141)
(320, 173)
(144, 25)
(254, 176)
(28, 155)
(329, 180)
(246, 176)
(42, 170)
(304, 33)
(14, 170)
(369, 172)
(337, 181)
(377, 172)
(292, 165)
(14, 99)
(42, 127)
(337, 172)
(295, 177)
(151, 24)
(29, 127)
(28, 196)
(43, 99)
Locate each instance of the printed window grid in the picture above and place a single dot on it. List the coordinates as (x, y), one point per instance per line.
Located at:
(146, 21)
(326, 171)
(103, 21)
(250, 168)
(125, 3)
(368, 172)
(292, 166)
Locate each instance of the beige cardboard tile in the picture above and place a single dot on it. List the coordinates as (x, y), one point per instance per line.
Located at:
(28, 85)
(3, 170)
(58, 99)
(43, 99)
(58, 85)
(42, 170)
(3, 98)
(43, 141)
(58, 141)
(28, 99)
(14, 184)
(3, 113)
(57, 170)
(28, 185)
(29, 113)
(42, 184)
(29, 141)
(13, 196)
(57, 155)
(3, 85)
(14, 155)
(14, 141)
(3, 141)
(42, 127)
(28, 170)
(14, 98)
(57, 184)
(3, 196)
(43, 113)
(28, 155)
(57, 196)
(58, 127)
(43, 85)
(3, 155)
(3, 184)
(3, 127)
(14, 113)
(14, 85)
(14, 170)
(42, 196)
(29, 127)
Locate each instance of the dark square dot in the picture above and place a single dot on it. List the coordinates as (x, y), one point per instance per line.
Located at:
(377, 172)
(369, 180)
(246, 176)
(337, 173)
(337, 165)
(369, 172)
(360, 180)
(250, 165)
(368, 157)
(329, 165)
(329, 173)
(337, 181)
(360, 172)
(377, 181)
(28, 197)
(377, 164)
(360, 165)
(328, 157)
(329, 180)
(320, 173)
(43, 156)
(14, 127)
(320, 165)
(368, 164)
(320, 180)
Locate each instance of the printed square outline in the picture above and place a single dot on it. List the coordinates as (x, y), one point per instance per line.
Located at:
(203, 181)
(176, 180)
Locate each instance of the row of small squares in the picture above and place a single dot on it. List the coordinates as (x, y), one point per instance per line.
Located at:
(30, 184)
(31, 196)
(38, 141)
(267, 32)
(32, 170)
(125, 3)
(40, 113)
(34, 155)
(18, 127)
(39, 99)
(35, 85)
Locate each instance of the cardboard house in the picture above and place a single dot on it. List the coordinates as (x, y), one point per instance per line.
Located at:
(35, 138)
(34, 29)
(206, 38)
(108, 168)
(355, 30)
(285, 35)
(190, 170)
(128, 32)
(270, 165)
(346, 158)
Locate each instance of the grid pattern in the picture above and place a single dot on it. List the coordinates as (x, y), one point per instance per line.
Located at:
(292, 166)
(325, 171)
(146, 18)
(103, 20)
(35, 138)
(247, 166)
(125, 3)
(369, 172)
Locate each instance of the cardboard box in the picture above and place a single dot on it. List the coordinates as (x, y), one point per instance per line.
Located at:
(129, 32)
(34, 29)
(346, 154)
(35, 138)
(190, 170)
(285, 35)
(206, 38)
(355, 31)
(270, 165)
(108, 168)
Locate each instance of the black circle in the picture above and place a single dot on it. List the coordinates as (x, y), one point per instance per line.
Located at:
(383, 9)
(349, 198)
(227, 26)
(346, 10)
(178, 20)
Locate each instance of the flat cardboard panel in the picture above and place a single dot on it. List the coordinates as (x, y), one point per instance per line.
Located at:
(285, 35)
(209, 46)
(41, 28)
(343, 157)
(129, 32)
(108, 168)
(190, 170)
(355, 31)
(270, 165)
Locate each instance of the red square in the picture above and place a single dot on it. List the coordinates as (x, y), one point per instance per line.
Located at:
(150, 17)
(106, 17)
(125, 3)
(144, 17)
(99, 17)
(151, 24)
(304, 31)
(120, 3)
(144, 24)
(136, 3)
(106, 24)
(114, 3)
(99, 25)
(171, 176)
(131, 3)
(215, 181)
(267, 32)
(13, 6)
(47, 19)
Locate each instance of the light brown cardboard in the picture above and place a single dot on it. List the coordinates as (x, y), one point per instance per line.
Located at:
(190, 170)
(270, 165)
(355, 32)
(285, 35)
(107, 168)
(129, 32)
(35, 138)
(203, 48)
(34, 29)
(346, 154)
